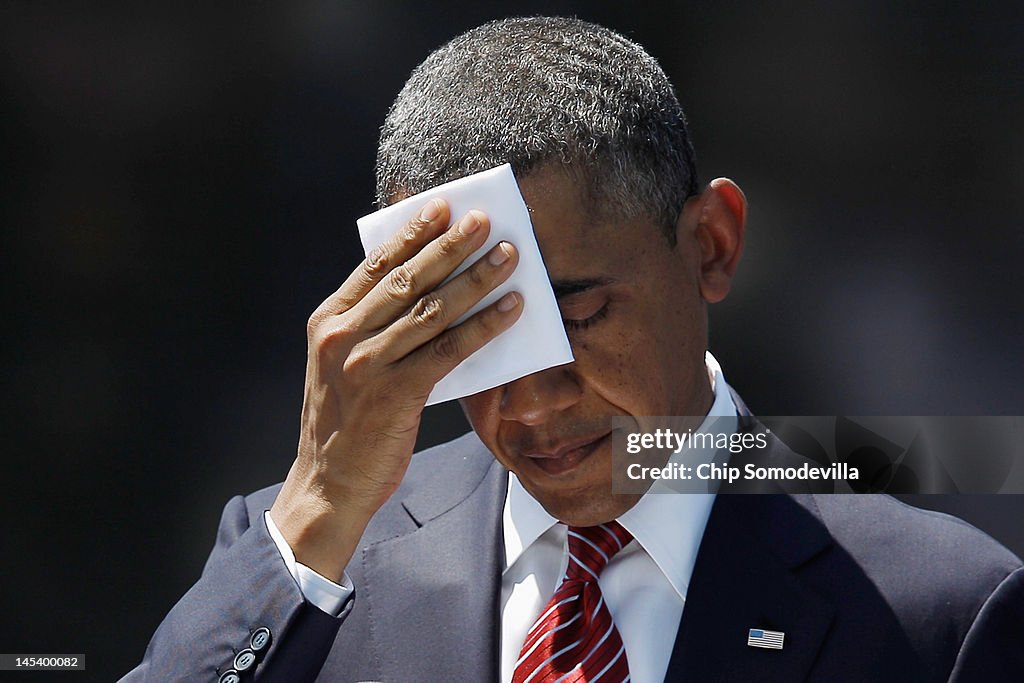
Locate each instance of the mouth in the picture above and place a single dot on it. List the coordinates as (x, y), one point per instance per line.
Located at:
(569, 456)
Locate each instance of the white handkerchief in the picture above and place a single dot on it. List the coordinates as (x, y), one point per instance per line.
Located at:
(537, 341)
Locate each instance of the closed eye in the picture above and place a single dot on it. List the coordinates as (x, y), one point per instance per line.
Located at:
(575, 325)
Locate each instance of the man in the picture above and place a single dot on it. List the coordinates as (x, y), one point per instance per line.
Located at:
(505, 555)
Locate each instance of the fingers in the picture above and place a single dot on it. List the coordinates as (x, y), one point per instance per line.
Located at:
(397, 292)
(403, 245)
(434, 312)
(440, 355)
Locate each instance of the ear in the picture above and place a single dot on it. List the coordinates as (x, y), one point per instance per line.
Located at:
(721, 211)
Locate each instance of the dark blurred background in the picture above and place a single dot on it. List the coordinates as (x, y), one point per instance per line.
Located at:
(179, 190)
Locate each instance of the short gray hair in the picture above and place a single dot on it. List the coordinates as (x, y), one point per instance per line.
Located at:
(536, 91)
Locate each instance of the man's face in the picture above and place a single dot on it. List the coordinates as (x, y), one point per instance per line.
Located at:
(636, 320)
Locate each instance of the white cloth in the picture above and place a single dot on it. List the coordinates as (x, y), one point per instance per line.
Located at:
(644, 584)
(537, 340)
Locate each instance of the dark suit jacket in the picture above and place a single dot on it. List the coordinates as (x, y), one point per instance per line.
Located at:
(864, 587)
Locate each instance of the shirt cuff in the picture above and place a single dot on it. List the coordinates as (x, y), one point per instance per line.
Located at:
(315, 588)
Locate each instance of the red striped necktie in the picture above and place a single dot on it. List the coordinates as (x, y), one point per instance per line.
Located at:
(574, 639)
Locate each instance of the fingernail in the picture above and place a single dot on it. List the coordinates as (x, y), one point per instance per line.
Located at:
(431, 211)
(499, 254)
(507, 302)
(469, 224)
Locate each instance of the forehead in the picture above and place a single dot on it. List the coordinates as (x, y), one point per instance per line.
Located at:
(577, 240)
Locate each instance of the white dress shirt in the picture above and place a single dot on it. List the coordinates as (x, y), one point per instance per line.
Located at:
(644, 585)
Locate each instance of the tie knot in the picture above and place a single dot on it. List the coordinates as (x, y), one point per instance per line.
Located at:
(591, 547)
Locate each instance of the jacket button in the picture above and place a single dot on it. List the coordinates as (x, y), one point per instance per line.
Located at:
(260, 639)
(229, 676)
(244, 660)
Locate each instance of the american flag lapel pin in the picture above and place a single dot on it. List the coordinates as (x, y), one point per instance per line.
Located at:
(769, 640)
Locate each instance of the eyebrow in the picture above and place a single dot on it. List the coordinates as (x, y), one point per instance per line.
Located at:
(564, 288)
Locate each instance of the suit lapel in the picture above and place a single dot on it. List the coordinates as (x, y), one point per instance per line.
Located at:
(752, 573)
(747, 576)
(433, 593)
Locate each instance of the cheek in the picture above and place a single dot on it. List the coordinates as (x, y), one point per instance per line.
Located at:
(482, 412)
(622, 365)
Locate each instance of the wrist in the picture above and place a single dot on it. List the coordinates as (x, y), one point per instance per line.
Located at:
(321, 535)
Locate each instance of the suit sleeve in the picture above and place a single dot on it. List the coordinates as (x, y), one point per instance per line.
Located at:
(245, 586)
(993, 649)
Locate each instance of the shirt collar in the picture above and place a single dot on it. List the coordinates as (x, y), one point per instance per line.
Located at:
(525, 520)
(673, 547)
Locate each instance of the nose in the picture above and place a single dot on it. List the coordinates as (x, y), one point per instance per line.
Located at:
(533, 399)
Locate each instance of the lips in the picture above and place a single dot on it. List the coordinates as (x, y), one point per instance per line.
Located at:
(567, 457)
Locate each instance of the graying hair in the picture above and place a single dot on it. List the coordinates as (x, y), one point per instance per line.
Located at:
(536, 91)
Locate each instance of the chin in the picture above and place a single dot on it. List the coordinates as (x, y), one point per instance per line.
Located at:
(587, 510)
